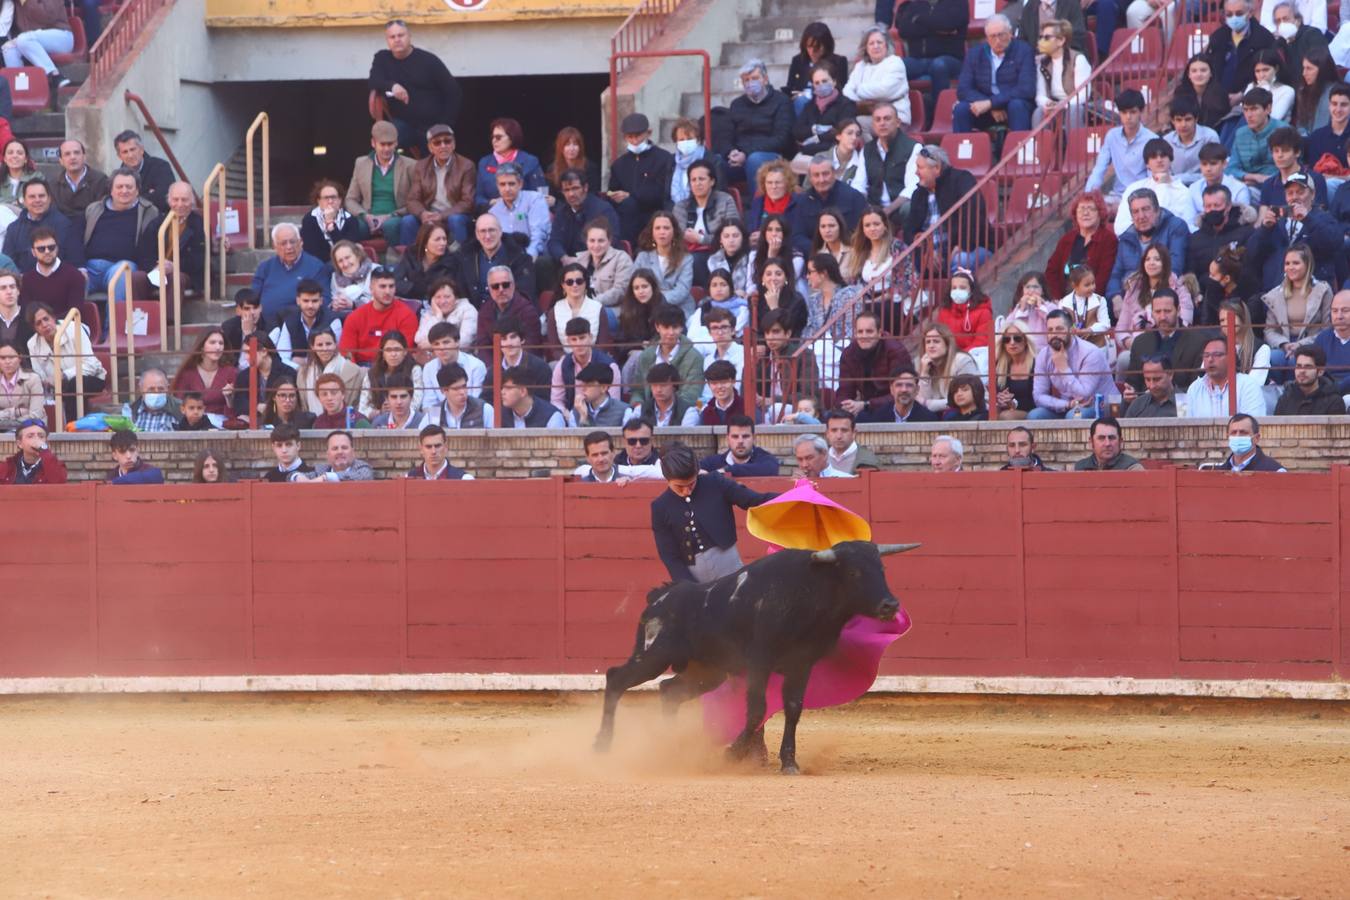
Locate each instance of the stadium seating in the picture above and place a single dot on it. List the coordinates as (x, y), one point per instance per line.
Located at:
(29, 89)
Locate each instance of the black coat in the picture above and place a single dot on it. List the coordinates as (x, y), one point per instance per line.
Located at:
(413, 282)
(968, 228)
(568, 237)
(806, 215)
(1205, 243)
(471, 267)
(1325, 401)
(763, 127)
(932, 28)
(318, 243)
(18, 244)
(804, 133)
(711, 502)
(645, 176)
(1221, 45)
(1185, 355)
(156, 176)
(799, 72)
(433, 94)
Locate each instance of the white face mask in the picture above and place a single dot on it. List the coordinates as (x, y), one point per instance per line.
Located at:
(638, 148)
(1286, 30)
(686, 147)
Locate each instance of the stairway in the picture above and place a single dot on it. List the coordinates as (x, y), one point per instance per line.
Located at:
(774, 36)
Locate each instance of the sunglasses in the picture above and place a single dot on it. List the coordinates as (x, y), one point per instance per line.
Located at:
(442, 140)
(1014, 339)
(43, 248)
(638, 441)
(500, 286)
(574, 281)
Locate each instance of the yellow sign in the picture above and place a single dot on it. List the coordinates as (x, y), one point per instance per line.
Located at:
(338, 13)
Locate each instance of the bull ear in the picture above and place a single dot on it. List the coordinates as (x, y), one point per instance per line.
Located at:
(888, 549)
(824, 556)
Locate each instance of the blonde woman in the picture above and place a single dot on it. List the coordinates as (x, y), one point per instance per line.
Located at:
(1062, 73)
(1253, 356)
(1296, 309)
(941, 361)
(1015, 365)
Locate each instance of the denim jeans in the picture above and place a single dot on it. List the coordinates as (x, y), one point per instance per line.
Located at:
(35, 46)
(970, 259)
(101, 272)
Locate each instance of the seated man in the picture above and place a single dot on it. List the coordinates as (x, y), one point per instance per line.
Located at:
(1150, 223)
(1214, 172)
(1159, 399)
(1070, 373)
(192, 243)
(891, 162)
(1311, 393)
(1221, 224)
(998, 82)
(1184, 348)
(402, 414)
(946, 454)
(866, 364)
(1244, 451)
(935, 42)
(639, 449)
(639, 180)
(434, 466)
(900, 405)
(1286, 151)
(459, 408)
(671, 347)
(276, 278)
(761, 124)
(290, 466)
(155, 409)
(442, 188)
(381, 182)
(53, 281)
(580, 353)
(725, 402)
(80, 184)
(663, 404)
(1251, 160)
(567, 240)
(1123, 148)
(385, 313)
(1300, 221)
(505, 302)
(826, 192)
(33, 463)
(1187, 139)
(1106, 455)
(1333, 137)
(1207, 397)
(1334, 342)
(15, 329)
(38, 212)
(723, 347)
(336, 415)
(245, 323)
(291, 334)
(596, 402)
(153, 174)
(600, 467)
(1172, 195)
(813, 461)
(1021, 449)
(521, 408)
(194, 417)
(487, 250)
(118, 232)
(520, 212)
(130, 468)
(965, 240)
(1234, 45)
(743, 459)
(515, 356)
(845, 453)
(417, 87)
(342, 464)
(444, 340)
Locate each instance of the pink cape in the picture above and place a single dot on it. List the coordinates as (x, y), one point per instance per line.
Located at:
(804, 519)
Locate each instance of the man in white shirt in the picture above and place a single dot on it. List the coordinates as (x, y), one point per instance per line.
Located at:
(1172, 195)
(1207, 397)
(444, 339)
(813, 460)
(521, 212)
(1214, 170)
(601, 468)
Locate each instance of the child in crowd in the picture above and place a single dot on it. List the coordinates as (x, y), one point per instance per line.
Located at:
(1091, 318)
(194, 414)
(130, 468)
(286, 448)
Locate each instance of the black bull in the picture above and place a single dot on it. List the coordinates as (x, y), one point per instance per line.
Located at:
(780, 614)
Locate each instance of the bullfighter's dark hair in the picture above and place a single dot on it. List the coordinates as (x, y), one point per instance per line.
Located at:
(679, 462)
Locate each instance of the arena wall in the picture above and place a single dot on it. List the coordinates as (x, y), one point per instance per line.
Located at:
(1157, 575)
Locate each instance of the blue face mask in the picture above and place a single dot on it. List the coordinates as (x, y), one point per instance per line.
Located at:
(1240, 444)
(155, 400)
(824, 90)
(1237, 23)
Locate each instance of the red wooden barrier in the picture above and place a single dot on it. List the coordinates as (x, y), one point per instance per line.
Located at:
(1154, 574)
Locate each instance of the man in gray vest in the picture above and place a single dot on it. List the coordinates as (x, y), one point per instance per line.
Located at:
(890, 163)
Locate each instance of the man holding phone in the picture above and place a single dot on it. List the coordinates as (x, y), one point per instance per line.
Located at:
(1297, 221)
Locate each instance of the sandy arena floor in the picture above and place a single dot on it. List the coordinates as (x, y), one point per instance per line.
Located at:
(436, 796)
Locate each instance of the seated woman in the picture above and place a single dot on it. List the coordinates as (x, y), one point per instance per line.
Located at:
(1015, 367)
(701, 214)
(689, 149)
(77, 354)
(324, 359)
(1253, 354)
(19, 170)
(720, 296)
(569, 152)
(1230, 279)
(394, 360)
(1266, 74)
(1090, 241)
(284, 406)
(637, 312)
(42, 27)
(608, 268)
(1201, 85)
(429, 259)
(21, 393)
(733, 255)
(1312, 108)
(966, 311)
(350, 286)
(816, 49)
(816, 125)
(445, 305)
(271, 372)
(965, 400)
(832, 236)
(890, 287)
(941, 361)
(828, 298)
(327, 223)
(507, 139)
(204, 372)
(847, 155)
(573, 303)
(775, 242)
(878, 77)
(1061, 73)
(777, 293)
(662, 250)
(775, 194)
(209, 468)
(1296, 310)
(1136, 312)
(1031, 303)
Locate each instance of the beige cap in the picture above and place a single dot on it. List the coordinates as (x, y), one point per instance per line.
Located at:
(384, 131)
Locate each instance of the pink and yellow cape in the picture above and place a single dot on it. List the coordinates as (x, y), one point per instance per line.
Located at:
(804, 519)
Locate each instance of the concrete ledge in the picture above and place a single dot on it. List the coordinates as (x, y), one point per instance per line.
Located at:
(888, 684)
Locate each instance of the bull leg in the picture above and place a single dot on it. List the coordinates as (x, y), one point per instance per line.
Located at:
(619, 679)
(693, 682)
(756, 678)
(794, 693)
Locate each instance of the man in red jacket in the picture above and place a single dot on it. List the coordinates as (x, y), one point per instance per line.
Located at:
(866, 365)
(363, 330)
(34, 463)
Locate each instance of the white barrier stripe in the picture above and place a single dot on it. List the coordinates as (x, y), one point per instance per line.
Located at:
(886, 684)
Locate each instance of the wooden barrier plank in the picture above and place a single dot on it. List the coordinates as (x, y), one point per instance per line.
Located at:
(1277, 499)
(968, 606)
(923, 570)
(1106, 538)
(590, 640)
(373, 577)
(1112, 497)
(618, 575)
(1264, 644)
(147, 523)
(1270, 609)
(469, 541)
(484, 596)
(957, 641)
(1266, 575)
(1085, 641)
(1125, 609)
(483, 641)
(1309, 541)
(605, 607)
(1074, 571)
(612, 543)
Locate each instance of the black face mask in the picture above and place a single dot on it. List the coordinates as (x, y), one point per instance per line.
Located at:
(1214, 218)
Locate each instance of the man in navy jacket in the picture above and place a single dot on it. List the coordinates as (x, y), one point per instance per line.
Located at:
(742, 459)
(998, 82)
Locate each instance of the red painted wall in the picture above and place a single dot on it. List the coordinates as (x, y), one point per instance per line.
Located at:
(1164, 573)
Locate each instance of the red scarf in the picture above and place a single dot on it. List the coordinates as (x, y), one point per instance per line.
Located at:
(776, 207)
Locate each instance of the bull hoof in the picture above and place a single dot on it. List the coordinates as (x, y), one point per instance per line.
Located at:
(737, 752)
(602, 742)
(791, 769)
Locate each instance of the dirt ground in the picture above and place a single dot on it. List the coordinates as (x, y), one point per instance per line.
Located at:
(415, 795)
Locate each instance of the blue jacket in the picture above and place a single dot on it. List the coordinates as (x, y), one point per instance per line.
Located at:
(850, 203)
(485, 190)
(1320, 232)
(1129, 250)
(755, 214)
(761, 462)
(1016, 75)
(142, 473)
(275, 283)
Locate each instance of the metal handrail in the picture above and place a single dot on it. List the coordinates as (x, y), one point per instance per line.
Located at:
(170, 219)
(645, 22)
(614, 58)
(259, 121)
(159, 135)
(124, 273)
(217, 177)
(72, 318)
(113, 44)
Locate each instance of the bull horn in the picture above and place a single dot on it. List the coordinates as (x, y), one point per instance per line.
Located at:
(888, 549)
(824, 556)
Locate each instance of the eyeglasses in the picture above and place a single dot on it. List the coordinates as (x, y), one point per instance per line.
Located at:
(44, 248)
(1014, 339)
(329, 197)
(638, 441)
(442, 140)
(574, 281)
(499, 286)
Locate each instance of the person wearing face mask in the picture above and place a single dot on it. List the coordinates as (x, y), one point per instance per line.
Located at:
(966, 311)
(1290, 18)
(1061, 73)
(1244, 450)
(154, 409)
(639, 180)
(761, 123)
(816, 127)
(1222, 223)
(689, 149)
(1234, 45)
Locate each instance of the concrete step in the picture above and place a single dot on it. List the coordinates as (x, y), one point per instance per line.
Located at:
(77, 72)
(43, 124)
(770, 52)
(846, 28)
(199, 311)
(819, 10)
(239, 260)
